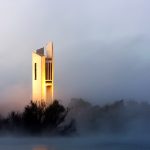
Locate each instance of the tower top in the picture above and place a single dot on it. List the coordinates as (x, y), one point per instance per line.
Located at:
(49, 50)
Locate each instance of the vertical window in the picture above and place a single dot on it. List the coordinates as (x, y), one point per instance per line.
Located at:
(35, 73)
(51, 71)
(46, 71)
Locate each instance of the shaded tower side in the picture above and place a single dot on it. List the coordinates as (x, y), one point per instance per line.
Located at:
(49, 73)
(38, 76)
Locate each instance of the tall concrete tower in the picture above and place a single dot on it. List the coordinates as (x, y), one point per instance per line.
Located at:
(43, 74)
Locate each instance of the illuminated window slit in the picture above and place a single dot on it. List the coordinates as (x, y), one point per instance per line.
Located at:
(35, 71)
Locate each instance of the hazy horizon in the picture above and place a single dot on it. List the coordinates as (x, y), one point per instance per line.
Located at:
(101, 48)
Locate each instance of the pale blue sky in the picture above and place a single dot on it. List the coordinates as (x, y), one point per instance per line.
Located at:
(102, 47)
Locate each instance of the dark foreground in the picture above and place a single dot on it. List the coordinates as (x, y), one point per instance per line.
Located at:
(80, 143)
(117, 126)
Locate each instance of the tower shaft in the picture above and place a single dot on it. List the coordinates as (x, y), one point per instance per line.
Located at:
(43, 75)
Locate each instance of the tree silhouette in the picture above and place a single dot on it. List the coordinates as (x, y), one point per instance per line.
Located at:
(32, 117)
(54, 115)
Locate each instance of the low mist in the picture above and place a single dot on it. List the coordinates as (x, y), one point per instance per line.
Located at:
(14, 98)
(78, 118)
(116, 118)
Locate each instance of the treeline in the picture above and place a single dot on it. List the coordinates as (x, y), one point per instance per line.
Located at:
(38, 120)
(80, 117)
(119, 117)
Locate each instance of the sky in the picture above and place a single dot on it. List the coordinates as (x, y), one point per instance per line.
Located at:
(101, 48)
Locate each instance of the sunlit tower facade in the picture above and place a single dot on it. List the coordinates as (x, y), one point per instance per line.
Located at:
(43, 74)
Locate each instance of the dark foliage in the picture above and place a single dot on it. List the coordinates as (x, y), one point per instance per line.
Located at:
(80, 117)
(37, 119)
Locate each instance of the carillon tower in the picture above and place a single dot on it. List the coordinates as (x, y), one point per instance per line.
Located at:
(43, 74)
